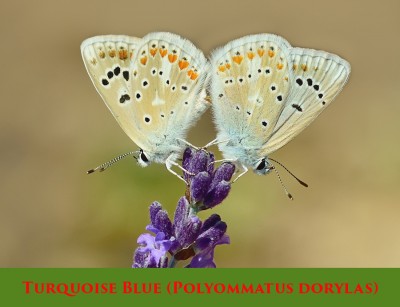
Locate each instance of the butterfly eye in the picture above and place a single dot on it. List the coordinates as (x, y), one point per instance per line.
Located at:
(261, 166)
(143, 156)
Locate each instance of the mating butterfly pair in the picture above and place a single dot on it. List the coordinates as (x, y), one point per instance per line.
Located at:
(263, 93)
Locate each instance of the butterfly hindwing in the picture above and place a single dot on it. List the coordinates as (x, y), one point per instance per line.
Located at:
(250, 84)
(318, 77)
(168, 80)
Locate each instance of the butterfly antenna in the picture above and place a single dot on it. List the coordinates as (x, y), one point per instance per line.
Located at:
(106, 165)
(300, 181)
(279, 177)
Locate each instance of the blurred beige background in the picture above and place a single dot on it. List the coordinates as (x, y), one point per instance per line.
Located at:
(54, 126)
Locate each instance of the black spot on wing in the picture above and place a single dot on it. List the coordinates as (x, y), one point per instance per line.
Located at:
(125, 73)
(297, 107)
(124, 98)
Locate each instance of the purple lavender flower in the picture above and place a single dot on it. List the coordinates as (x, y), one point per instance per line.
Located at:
(187, 237)
(208, 188)
(212, 234)
(152, 252)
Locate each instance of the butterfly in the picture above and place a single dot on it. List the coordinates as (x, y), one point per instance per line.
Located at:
(265, 92)
(155, 88)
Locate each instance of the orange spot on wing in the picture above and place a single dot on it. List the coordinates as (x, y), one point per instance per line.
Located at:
(183, 64)
(271, 53)
(228, 66)
(192, 74)
(163, 52)
(222, 68)
(279, 66)
(123, 54)
(143, 60)
(294, 66)
(102, 54)
(304, 67)
(172, 57)
(250, 55)
(112, 53)
(260, 52)
(237, 59)
(153, 52)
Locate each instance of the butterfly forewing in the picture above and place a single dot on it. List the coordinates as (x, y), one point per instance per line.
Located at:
(318, 77)
(108, 59)
(250, 84)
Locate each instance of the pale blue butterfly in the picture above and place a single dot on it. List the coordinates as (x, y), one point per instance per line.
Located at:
(265, 92)
(153, 86)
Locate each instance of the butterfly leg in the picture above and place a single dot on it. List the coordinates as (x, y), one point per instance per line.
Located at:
(170, 162)
(169, 168)
(224, 160)
(215, 142)
(245, 170)
(187, 143)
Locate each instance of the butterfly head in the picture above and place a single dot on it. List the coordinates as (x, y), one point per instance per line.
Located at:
(263, 167)
(143, 159)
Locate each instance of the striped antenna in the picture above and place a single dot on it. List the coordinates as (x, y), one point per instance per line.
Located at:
(300, 181)
(106, 165)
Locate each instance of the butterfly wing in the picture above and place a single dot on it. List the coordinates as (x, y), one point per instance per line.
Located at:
(153, 86)
(168, 78)
(318, 77)
(250, 83)
(108, 59)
